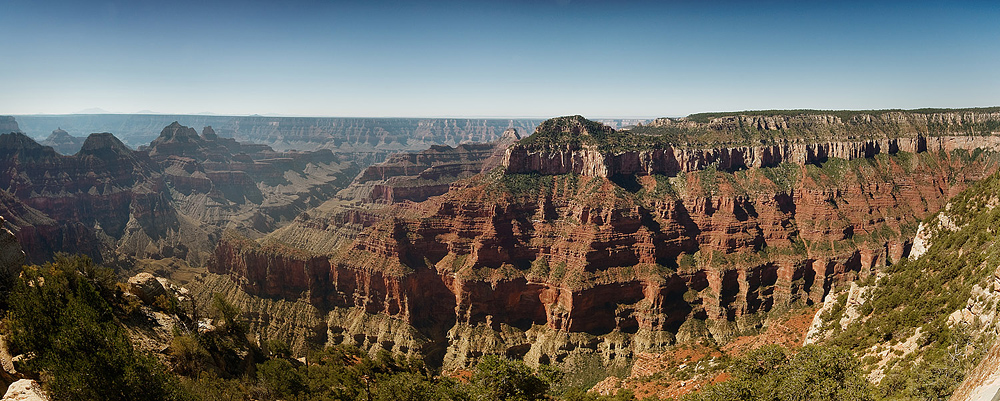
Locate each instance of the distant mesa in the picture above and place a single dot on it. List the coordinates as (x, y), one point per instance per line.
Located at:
(63, 142)
(364, 140)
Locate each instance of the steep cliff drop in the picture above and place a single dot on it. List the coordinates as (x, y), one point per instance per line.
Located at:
(589, 245)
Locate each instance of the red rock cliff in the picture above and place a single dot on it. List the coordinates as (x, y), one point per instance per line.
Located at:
(702, 253)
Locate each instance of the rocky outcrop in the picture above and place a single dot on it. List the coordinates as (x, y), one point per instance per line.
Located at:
(25, 390)
(63, 142)
(817, 123)
(41, 236)
(146, 287)
(417, 176)
(983, 382)
(405, 177)
(171, 199)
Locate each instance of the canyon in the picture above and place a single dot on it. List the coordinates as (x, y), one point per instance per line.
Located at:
(171, 199)
(585, 245)
(582, 246)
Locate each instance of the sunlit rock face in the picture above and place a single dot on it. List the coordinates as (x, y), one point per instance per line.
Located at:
(614, 250)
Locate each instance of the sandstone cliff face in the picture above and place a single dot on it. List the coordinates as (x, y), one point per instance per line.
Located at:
(701, 254)
(418, 176)
(405, 177)
(730, 143)
(671, 161)
(607, 254)
(842, 124)
(41, 236)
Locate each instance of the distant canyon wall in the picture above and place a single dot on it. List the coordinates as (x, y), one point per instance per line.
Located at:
(671, 160)
(367, 140)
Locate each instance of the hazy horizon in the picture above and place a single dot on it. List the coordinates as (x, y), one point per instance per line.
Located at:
(480, 59)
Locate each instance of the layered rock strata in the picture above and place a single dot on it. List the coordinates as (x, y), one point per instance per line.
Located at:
(799, 141)
(104, 197)
(561, 264)
(404, 177)
(247, 187)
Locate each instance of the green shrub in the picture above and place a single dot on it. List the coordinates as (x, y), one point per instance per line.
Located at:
(770, 373)
(63, 313)
(499, 379)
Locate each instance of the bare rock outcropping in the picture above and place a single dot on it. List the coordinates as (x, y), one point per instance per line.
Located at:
(146, 287)
(402, 178)
(25, 390)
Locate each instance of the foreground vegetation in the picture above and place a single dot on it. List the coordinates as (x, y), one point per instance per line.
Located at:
(72, 318)
(927, 321)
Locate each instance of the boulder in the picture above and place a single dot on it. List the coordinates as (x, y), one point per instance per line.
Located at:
(25, 390)
(146, 286)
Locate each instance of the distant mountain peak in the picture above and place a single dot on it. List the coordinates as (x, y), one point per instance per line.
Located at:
(63, 142)
(8, 124)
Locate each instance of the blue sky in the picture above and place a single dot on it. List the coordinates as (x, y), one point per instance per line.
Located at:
(482, 58)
